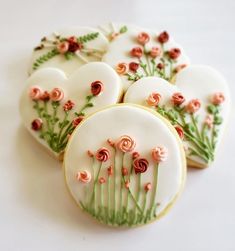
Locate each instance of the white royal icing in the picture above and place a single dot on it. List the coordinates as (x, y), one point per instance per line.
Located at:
(121, 45)
(194, 82)
(75, 88)
(148, 131)
(98, 45)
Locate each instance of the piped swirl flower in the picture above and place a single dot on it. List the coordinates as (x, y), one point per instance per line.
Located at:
(36, 124)
(35, 92)
(126, 144)
(84, 176)
(137, 52)
(57, 94)
(163, 37)
(155, 52)
(63, 47)
(102, 154)
(177, 98)
(140, 165)
(143, 38)
(174, 53)
(122, 68)
(180, 131)
(153, 99)
(159, 154)
(97, 88)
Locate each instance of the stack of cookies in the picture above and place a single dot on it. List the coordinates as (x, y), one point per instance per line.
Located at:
(126, 112)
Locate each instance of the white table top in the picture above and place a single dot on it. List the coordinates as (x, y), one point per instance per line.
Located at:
(36, 211)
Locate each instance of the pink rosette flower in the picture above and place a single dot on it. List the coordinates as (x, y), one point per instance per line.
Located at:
(180, 131)
(137, 52)
(163, 37)
(133, 66)
(155, 52)
(218, 98)
(147, 186)
(193, 106)
(102, 154)
(62, 47)
(153, 99)
(159, 154)
(174, 53)
(122, 68)
(97, 87)
(36, 124)
(177, 98)
(143, 38)
(77, 121)
(35, 92)
(140, 165)
(57, 94)
(125, 144)
(209, 121)
(84, 176)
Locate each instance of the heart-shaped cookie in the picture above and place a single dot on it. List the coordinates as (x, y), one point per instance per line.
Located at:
(197, 105)
(136, 52)
(52, 105)
(68, 49)
(125, 165)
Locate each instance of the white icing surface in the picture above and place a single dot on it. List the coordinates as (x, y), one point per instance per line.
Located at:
(193, 82)
(147, 129)
(69, 66)
(120, 47)
(75, 88)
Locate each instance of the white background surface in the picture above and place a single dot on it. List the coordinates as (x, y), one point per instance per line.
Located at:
(36, 212)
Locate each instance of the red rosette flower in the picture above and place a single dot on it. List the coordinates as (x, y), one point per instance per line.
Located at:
(68, 105)
(136, 52)
(73, 44)
(97, 87)
(177, 98)
(180, 131)
(174, 53)
(45, 96)
(140, 165)
(133, 66)
(77, 121)
(102, 154)
(36, 124)
(163, 37)
(160, 66)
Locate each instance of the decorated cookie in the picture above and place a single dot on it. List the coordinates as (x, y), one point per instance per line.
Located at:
(136, 53)
(197, 106)
(69, 49)
(125, 165)
(52, 105)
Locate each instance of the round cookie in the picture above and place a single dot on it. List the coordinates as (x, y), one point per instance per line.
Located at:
(52, 105)
(197, 105)
(68, 49)
(136, 52)
(119, 171)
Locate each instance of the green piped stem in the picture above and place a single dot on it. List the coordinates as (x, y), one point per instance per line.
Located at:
(154, 190)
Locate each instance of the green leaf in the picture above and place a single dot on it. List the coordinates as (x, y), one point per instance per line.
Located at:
(212, 109)
(123, 29)
(218, 120)
(88, 37)
(190, 127)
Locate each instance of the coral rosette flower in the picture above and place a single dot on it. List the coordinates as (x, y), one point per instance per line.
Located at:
(177, 98)
(68, 105)
(56, 94)
(102, 154)
(143, 38)
(137, 52)
(45, 96)
(159, 154)
(218, 98)
(193, 106)
(77, 121)
(36, 124)
(140, 165)
(35, 92)
(163, 37)
(153, 99)
(97, 88)
(122, 68)
(83, 176)
(125, 144)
